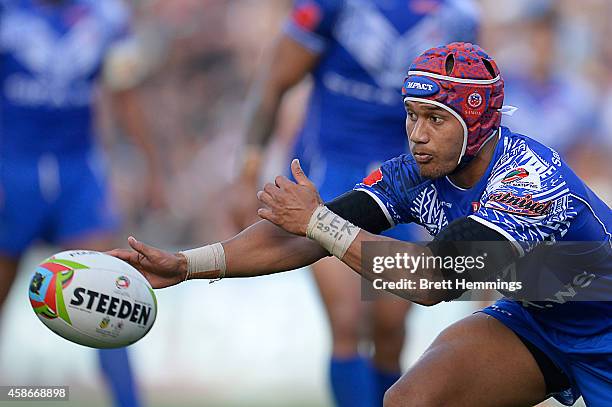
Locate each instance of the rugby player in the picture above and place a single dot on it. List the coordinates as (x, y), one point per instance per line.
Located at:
(461, 184)
(355, 52)
(53, 182)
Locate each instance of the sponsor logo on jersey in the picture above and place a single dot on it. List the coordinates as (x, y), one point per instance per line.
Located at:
(514, 175)
(522, 177)
(373, 178)
(475, 206)
(521, 205)
(419, 86)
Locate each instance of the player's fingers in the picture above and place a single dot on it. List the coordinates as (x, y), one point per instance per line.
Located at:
(270, 189)
(267, 214)
(298, 173)
(123, 254)
(143, 249)
(282, 182)
(265, 198)
(116, 252)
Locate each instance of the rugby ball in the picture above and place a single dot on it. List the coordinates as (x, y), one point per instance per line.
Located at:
(92, 299)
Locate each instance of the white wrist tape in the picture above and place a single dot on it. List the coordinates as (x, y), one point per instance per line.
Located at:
(331, 231)
(202, 260)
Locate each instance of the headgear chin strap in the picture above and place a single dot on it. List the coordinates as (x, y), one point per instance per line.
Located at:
(462, 79)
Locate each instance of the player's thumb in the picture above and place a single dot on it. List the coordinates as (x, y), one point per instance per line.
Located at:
(298, 173)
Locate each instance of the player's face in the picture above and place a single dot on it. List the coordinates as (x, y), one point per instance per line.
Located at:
(436, 138)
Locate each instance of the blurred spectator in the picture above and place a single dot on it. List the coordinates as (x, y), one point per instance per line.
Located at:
(555, 106)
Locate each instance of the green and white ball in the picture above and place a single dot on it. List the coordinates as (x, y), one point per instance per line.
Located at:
(93, 299)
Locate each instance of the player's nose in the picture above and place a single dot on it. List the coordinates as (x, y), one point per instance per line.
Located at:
(417, 133)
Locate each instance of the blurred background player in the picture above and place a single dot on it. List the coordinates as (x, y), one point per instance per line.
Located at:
(546, 92)
(52, 176)
(356, 52)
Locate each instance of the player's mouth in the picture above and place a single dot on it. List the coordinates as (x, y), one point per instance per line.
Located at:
(422, 158)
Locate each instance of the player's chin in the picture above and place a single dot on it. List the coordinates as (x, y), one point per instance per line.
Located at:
(431, 170)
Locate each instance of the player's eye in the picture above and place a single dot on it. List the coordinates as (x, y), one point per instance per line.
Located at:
(436, 119)
(412, 116)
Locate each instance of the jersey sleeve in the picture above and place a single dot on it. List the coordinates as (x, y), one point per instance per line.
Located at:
(394, 186)
(528, 203)
(311, 23)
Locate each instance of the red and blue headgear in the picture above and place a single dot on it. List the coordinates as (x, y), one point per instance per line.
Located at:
(462, 79)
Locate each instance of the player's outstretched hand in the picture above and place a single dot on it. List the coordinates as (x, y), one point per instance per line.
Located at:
(162, 269)
(288, 204)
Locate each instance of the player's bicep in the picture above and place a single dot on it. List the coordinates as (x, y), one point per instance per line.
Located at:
(526, 208)
(362, 210)
(467, 238)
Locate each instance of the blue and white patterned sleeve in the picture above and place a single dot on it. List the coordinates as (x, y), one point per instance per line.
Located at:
(393, 186)
(311, 23)
(527, 199)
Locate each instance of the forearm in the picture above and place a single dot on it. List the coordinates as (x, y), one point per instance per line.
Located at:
(264, 249)
(261, 111)
(353, 259)
(262, 107)
(345, 241)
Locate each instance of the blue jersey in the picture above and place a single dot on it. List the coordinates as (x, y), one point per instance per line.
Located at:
(50, 58)
(552, 203)
(365, 48)
(527, 194)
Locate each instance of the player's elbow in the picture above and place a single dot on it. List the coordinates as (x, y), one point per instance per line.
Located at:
(428, 301)
(427, 298)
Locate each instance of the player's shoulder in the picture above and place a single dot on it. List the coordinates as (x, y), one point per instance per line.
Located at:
(402, 169)
(399, 176)
(311, 22)
(530, 172)
(535, 158)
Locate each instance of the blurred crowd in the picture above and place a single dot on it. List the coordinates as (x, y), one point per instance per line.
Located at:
(199, 58)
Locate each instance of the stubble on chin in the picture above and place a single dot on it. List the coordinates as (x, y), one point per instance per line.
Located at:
(432, 172)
